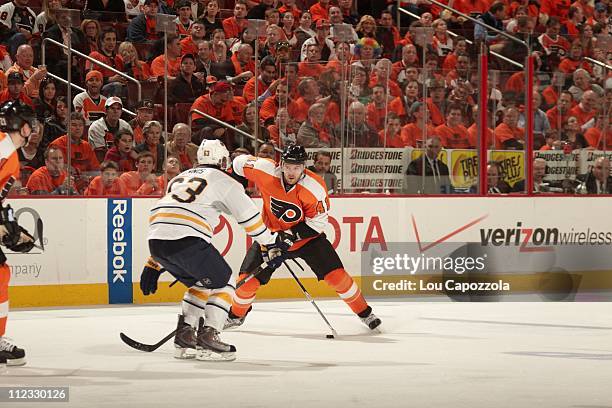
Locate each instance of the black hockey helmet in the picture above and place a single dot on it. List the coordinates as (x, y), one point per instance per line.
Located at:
(294, 154)
(15, 114)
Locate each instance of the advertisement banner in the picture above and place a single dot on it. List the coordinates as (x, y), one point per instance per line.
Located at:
(119, 250)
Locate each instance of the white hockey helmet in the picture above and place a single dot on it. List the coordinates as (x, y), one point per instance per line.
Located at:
(214, 153)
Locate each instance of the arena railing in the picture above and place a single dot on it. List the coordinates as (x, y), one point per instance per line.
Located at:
(470, 42)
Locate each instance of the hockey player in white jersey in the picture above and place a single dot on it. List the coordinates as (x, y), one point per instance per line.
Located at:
(181, 226)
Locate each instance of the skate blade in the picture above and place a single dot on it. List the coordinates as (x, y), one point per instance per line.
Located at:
(15, 362)
(210, 355)
(184, 353)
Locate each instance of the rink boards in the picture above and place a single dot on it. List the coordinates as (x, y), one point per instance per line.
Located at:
(94, 249)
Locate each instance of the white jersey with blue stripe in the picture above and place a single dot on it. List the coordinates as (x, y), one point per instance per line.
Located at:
(194, 202)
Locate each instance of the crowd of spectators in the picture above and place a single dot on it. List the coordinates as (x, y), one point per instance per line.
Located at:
(330, 73)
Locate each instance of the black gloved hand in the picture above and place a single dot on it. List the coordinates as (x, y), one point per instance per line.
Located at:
(150, 276)
(275, 254)
(13, 230)
(25, 246)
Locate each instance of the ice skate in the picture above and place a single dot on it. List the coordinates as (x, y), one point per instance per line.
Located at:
(234, 321)
(184, 340)
(14, 355)
(211, 348)
(371, 320)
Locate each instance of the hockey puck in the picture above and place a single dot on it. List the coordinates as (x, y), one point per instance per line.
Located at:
(329, 336)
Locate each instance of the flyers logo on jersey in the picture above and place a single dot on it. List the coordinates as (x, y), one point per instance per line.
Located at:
(285, 211)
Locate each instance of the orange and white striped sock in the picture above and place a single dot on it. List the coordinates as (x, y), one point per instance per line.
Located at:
(244, 296)
(347, 289)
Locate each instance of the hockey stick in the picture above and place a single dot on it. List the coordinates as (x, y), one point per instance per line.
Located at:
(39, 232)
(152, 347)
(259, 270)
(311, 300)
(145, 347)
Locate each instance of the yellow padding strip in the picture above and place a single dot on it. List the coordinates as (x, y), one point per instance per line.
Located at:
(285, 288)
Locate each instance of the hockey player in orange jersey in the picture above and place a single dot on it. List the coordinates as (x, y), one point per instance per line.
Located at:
(16, 124)
(295, 201)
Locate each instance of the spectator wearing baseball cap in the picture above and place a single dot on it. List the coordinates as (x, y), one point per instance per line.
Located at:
(321, 39)
(216, 104)
(14, 90)
(186, 87)
(144, 113)
(102, 132)
(142, 28)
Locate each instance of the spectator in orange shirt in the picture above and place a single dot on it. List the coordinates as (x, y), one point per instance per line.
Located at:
(508, 136)
(32, 75)
(270, 106)
(575, 17)
(392, 135)
(377, 109)
(574, 60)
(585, 111)
(14, 90)
(382, 77)
(309, 93)
(216, 104)
(173, 57)
(459, 47)
(107, 183)
(181, 147)
(311, 66)
(82, 156)
(52, 177)
(233, 26)
(133, 180)
(144, 113)
(600, 136)
(586, 8)
(473, 135)
(284, 130)
(558, 115)
(267, 67)
(436, 104)
(107, 54)
(189, 44)
(122, 152)
(453, 135)
(132, 66)
(413, 134)
(319, 11)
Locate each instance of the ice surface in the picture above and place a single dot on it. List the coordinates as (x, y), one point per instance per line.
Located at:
(490, 355)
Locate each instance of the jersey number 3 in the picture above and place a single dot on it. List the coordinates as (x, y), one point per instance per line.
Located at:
(195, 186)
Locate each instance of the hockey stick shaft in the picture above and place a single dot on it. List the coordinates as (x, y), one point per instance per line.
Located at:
(259, 270)
(146, 347)
(311, 300)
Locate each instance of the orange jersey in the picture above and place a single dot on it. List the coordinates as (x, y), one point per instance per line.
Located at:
(306, 202)
(82, 155)
(9, 161)
(96, 187)
(90, 109)
(42, 181)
